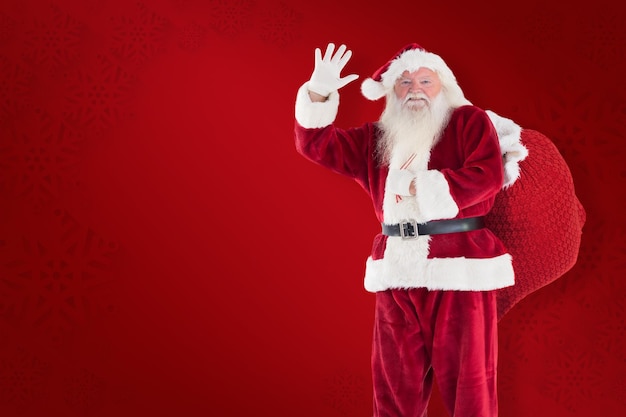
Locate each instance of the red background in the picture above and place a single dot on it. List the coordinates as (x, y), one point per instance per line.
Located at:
(165, 251)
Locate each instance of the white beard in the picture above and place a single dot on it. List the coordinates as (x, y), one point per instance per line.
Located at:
(409, 133)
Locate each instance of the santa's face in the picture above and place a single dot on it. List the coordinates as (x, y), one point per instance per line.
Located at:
(416, 90)
(416, 112)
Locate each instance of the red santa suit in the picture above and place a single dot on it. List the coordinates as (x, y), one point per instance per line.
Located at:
(459, 180)
(435, 298)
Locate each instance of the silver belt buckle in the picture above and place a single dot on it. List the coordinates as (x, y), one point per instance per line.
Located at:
(408, 229)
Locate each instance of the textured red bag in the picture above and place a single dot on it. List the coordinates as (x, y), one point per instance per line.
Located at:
(539, 219)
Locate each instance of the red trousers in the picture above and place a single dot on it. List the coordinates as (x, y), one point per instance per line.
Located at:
(449, 335)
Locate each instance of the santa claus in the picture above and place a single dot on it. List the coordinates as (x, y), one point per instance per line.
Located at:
(433, 165)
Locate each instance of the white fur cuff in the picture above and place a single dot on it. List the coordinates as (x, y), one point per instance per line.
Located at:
(399, 181)
(433, 196)
(313, 115)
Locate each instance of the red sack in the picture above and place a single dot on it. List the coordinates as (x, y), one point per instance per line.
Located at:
(539, 219)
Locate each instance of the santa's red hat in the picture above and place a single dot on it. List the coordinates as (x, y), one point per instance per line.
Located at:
(410, 58)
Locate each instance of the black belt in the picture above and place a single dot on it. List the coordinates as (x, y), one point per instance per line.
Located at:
(407, 228)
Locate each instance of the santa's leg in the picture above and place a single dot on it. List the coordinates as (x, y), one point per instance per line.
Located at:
(402, 377)
(465, 352)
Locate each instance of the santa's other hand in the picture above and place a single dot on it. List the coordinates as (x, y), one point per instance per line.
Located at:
(400, 182)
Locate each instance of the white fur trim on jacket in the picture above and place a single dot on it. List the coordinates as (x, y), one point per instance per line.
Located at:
(433, 196)
(463, 274)
(509, 134)
(313, 115)
(399, 181)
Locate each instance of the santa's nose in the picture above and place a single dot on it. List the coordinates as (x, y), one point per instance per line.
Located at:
(414, 88)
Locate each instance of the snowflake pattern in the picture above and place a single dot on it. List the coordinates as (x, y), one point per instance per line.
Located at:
(513, 353)
(7, 28)
(192, 37)
(543, 26)
(39, 161)
(97, 98)
(591, 248)
(617, 390)
(614, 259)
(181, 4)
(573, 377)
(508, 381)
(280, 25)
(95, 6)
(602, 38)
(58, 281)
(15, 90)
(536, 324)
(55, 42)
(23, 379)
(344, 392)
(84, 392)
(530, 319)
(609, 326)
(231, 18)
(139, 37)
(7, 338)
(609, 117)
(55, 284)
(572, 119)
(512, 344)
(5, 293)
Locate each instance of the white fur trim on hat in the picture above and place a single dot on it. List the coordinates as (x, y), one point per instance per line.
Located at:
(372, 90)
(410, 60)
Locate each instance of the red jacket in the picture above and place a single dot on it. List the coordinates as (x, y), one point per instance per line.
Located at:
(463, 174)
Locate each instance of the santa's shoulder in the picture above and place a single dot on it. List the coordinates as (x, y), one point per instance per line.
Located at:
(469, 113)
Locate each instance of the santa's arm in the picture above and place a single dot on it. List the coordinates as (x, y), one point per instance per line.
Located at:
(345, 151)
(318, 99)
(317, 104)
(443, 193)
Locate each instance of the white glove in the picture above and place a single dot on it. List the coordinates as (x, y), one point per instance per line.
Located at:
(399, 181)
(326, 75)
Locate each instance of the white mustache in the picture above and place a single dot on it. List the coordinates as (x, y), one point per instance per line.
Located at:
(416, 96)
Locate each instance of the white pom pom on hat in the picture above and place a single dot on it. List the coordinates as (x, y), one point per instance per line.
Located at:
(410, 58)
